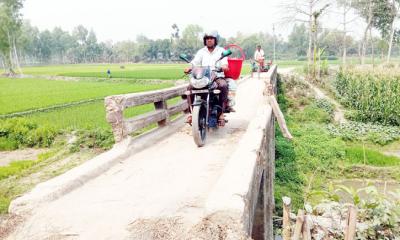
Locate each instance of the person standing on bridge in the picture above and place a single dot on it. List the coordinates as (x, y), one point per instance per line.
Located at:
(207, 56)
(259, 57)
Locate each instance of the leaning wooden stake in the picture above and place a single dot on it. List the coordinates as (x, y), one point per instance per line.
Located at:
(278, 113)
(350, 230)
(279, 116)
(299, 225)
(286, 218)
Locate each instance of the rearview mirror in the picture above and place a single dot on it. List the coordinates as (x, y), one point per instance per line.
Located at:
(226, 53)
(184, 57)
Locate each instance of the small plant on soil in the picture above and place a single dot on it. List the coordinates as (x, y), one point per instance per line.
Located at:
(356, 131)
(97, 138)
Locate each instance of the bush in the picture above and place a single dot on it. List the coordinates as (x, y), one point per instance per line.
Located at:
(324, 67)
(97, 138)
(19, 132)
(326, 106)
(378, 214)
(312, 113)
(7, 144)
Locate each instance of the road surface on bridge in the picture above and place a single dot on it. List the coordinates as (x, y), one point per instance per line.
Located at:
(170, 179)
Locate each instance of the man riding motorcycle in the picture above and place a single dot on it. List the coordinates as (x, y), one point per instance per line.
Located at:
(207, 56)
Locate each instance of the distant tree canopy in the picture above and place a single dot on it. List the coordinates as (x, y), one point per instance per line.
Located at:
(22, 42)
(82, 46)
(10, 26)
(298, 39)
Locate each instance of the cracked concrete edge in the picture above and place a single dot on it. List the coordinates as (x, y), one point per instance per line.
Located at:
(78, 176)
(241, 178)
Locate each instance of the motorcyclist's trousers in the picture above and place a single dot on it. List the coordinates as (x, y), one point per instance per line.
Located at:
(223, 96)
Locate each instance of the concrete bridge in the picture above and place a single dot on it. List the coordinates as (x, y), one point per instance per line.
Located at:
(160, 185)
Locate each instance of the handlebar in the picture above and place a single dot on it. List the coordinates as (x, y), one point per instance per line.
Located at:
(218, 70)
(214, 70)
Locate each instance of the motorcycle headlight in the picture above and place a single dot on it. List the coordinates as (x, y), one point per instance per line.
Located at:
(200, 83)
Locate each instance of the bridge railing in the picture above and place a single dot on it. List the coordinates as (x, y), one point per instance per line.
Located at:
(115, 106)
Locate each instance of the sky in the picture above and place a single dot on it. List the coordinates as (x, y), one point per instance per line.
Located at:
(119, 20)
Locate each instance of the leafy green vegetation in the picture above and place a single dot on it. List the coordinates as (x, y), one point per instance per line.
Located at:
(378, 213)
(15, 133)
(14, 167)
(375, 95)
(94, 138)
(317, 154)
(357, 131)
(312, 152)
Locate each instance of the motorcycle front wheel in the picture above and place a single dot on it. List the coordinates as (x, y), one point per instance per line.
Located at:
(199, 125)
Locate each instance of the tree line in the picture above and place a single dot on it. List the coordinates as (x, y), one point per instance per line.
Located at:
(24, 44)
(379, 15)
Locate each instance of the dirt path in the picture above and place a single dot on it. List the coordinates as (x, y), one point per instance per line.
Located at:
(171, 179)
(6, 157)
(320, 94)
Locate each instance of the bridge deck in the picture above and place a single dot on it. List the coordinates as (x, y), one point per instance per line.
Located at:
(172, 178)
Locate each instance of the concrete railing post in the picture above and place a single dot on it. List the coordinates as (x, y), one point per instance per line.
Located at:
(162, 105)
(114, 115)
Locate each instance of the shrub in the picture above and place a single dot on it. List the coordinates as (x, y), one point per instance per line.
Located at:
(96, 138)
(19, 132)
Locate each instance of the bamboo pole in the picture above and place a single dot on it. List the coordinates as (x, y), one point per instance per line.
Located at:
(286, 218)
(279, 117)
(306, 228)
(350, 230)
(299, 224)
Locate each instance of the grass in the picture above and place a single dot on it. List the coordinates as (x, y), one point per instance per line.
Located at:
(315, 157)
(19, 178)
(26, 94)
(134, 71)
(48, 128)
(312, 152)
(130, 71)
(17, 169)
(14, 167)
(359, 155)
(86, 116)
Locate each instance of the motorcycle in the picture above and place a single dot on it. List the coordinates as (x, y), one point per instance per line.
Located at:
(205, 107)
(255, 66)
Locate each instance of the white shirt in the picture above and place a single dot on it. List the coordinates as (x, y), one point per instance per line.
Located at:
(206, 58)
(259, 55)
